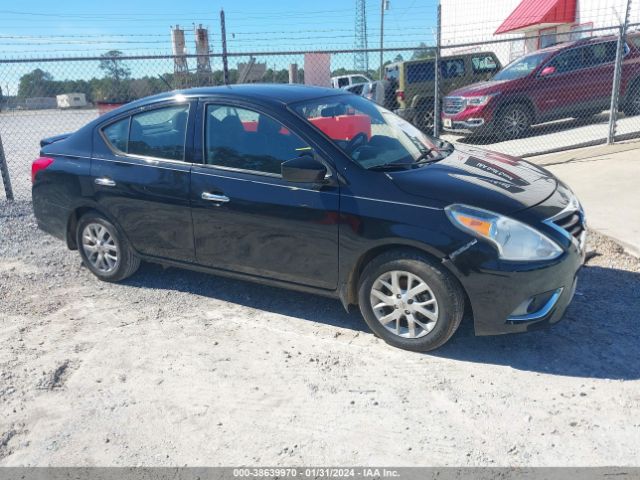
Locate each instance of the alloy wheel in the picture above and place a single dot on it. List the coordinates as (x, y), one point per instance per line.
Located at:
(515, 123)
(404, 304)
(100, 247)
(428, 119)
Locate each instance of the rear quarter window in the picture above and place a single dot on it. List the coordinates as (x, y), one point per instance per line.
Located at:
(117, 134)
(483, 64)
(420, 72)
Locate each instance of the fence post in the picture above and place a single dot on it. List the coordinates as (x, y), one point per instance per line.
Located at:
(223, 36)
(617, 74)
(5, 173)
(436, 92)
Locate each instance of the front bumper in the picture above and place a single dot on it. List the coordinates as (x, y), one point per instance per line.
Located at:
(472, 125)
(496, 288)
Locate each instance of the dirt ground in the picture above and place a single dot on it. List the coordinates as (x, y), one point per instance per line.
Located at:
(180, 368)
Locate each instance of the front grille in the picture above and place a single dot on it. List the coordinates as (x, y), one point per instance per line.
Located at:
(453, 105)
(571, 221)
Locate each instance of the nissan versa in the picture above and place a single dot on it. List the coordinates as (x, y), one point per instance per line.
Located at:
(322, 191)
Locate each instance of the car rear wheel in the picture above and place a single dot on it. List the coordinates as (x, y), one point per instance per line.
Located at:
(409, 301)
(104, 250)
(513, 122)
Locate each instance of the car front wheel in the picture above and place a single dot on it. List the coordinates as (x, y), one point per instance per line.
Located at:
(513, 122)
(104, 250)
(409, 301)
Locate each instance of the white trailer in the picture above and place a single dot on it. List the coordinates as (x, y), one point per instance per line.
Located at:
(71, 100)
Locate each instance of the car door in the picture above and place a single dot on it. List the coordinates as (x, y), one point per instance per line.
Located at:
(599, 60)
(246, 217)
(141, 170)
(561, 87)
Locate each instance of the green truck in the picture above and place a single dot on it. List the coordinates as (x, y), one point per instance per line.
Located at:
(414, 82)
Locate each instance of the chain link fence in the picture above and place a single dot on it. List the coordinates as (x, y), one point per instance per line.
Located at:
(554, 95)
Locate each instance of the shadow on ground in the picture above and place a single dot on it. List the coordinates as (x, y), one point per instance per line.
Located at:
(304, 306)
(598, 338)
(543, 129)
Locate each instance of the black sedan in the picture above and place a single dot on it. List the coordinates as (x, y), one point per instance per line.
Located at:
(322, 191)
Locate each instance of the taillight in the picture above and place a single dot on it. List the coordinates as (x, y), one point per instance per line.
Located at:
(400, 95)
(39, 164)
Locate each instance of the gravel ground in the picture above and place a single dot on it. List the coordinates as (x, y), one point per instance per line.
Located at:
(174, 367)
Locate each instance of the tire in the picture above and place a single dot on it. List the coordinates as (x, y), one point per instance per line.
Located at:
(425, 117)
(95, 236)
(514, 121)
(632, 105)
(446, 312)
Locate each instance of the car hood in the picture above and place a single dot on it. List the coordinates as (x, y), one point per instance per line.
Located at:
(481, 88)
(479, 178)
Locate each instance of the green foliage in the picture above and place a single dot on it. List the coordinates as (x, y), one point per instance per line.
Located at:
(422, 52)
(113, 67)
(117, 84)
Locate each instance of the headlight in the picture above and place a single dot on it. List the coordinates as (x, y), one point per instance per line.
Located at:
(514, 240)
(479, 101)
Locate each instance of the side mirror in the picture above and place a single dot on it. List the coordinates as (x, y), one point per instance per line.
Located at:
(546, 71)
(303, 169)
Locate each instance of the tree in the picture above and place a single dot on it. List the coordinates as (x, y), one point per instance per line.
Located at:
(398, 58)
(38, 83)
(113, 67)
(423, 52)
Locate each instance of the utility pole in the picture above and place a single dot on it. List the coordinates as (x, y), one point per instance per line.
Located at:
(223, 34)
(384, 5)
(436, 93)
(617, 73)
(361, 58)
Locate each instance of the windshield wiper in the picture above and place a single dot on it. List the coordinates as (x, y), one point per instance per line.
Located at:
(421, 160)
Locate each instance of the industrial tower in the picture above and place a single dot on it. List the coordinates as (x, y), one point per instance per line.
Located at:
(361, 59)
(179, 52)
(202, 49)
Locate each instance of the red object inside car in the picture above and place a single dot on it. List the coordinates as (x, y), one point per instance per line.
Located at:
(343, 127)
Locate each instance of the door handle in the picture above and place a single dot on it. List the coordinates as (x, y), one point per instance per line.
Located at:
(105, 182)
(213, 197)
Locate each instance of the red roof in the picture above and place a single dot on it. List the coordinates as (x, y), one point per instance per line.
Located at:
(539, 12)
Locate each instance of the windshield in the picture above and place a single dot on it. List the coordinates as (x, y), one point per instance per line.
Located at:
(371, 135)
(521, 68)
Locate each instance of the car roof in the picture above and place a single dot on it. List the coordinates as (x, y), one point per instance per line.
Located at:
(269, 93)
(574, 43)
(266, 92)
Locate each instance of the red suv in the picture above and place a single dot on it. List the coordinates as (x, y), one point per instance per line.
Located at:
(567, 80)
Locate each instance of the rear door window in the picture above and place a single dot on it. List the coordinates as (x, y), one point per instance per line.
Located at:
(452, 68)
(600, 53)
(159, 133)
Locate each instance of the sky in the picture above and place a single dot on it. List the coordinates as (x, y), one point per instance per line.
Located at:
(39, 28)
(74, 26)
